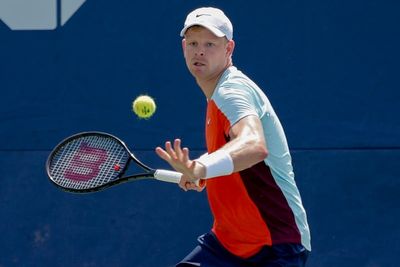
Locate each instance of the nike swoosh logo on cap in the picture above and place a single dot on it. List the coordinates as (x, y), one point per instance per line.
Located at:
(199, 15)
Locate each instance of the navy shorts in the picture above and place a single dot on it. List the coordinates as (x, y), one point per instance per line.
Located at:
(210, 253)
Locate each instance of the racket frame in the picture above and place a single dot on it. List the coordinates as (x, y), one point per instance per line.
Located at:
(149, 173)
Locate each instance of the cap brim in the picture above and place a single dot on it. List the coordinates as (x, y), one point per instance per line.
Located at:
(214, 30)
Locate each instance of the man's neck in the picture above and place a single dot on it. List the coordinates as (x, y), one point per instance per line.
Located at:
(208, 86)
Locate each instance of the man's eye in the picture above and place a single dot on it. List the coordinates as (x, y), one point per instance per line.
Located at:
(210, 44)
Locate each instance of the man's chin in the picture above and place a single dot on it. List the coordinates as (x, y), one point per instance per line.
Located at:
(197, 73)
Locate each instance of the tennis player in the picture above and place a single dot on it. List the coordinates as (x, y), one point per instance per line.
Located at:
(259, 219)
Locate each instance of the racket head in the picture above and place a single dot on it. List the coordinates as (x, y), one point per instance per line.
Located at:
(89, 161)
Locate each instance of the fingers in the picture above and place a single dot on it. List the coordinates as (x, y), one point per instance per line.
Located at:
(163, 154)
(187, 185)
(173, 152)
(170, 150)
(178, 158)
(182, 154)
(182, 184)
(177, 149)
(185, 154)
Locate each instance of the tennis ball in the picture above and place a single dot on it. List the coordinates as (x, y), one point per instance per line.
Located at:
(144, 106)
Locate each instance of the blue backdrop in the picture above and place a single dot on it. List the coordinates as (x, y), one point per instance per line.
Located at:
(330, 70)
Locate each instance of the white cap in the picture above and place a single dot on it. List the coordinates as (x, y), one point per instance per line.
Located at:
(211, 18)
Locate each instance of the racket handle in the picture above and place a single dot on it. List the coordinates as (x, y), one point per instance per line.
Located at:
(169, 176)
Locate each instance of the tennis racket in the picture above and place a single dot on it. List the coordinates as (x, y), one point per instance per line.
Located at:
(93, 161)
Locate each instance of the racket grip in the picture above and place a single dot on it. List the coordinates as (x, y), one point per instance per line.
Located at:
(169, 176)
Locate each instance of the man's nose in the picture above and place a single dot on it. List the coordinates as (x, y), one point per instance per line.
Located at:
(200, 52)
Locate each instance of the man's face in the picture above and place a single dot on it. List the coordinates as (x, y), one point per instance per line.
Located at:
(206, 55)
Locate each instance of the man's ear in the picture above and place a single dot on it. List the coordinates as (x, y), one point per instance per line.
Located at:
(183, 45)
(230, 47)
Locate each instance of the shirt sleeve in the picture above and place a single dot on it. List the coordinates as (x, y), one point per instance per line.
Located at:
(236, 101)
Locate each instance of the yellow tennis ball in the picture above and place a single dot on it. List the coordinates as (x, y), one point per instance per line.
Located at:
(144, 106)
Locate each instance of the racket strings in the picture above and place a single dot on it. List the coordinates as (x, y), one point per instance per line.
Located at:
(88, 162)
(118, 156)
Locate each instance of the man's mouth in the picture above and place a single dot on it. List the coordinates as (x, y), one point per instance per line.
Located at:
(198, 64)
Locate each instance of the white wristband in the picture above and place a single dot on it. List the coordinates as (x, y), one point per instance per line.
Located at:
(218, 163)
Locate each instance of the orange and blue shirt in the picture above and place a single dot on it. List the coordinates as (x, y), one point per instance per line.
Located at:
(259, 206)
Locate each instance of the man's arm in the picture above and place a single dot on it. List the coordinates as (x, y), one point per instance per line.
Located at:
(246, 148)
